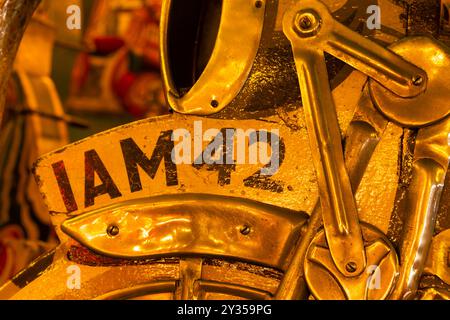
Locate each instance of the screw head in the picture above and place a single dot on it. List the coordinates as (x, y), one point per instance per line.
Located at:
(112, 230)
(351, 267)
(245, 230)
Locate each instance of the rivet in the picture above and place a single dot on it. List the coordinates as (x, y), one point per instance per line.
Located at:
(214, 103)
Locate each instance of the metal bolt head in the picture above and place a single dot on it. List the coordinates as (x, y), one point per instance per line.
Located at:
(112, 230)
(307, 23)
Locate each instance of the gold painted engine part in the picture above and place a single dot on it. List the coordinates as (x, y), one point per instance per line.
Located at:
(230, 64)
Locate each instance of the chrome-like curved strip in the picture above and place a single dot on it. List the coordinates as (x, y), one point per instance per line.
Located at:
(190, 225)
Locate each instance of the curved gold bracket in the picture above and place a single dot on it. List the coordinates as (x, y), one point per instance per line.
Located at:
(190, 224)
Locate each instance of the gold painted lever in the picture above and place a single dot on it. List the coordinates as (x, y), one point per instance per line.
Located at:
(339, 210)
(386, 67)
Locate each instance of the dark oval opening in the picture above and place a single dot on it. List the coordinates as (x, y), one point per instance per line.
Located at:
(191, 35)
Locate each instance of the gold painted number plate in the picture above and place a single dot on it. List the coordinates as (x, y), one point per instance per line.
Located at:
(253, 159)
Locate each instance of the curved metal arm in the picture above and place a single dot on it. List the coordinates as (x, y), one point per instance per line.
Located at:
(362, 139)
(339, 211)
(386, 67)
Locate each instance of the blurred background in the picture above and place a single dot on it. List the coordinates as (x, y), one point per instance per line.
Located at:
(110, 66)
(83, 66)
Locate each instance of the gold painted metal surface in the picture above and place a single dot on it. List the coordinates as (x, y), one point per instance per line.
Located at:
(431, 105)
(391, 70)
(435, 294)
(305, 21)
(153, 291)
(382, 174)
(71, 155)
(154, 280)
(190, 273)
(363, 135)
(241, 22)
(327, 282)
(339, 211)
(438, 261)
(190, 225)
(208, 287)
(201, 239)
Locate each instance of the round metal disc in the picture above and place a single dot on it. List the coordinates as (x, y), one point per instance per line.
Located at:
(433, 104)
(375, 283)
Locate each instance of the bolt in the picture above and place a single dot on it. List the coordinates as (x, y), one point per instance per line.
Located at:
(112, 230)
(351, 267)
(417, 80)
(245, 230)
(258, 4)
(307, 23)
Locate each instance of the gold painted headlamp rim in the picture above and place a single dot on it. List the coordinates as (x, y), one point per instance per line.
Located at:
(230, 63)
